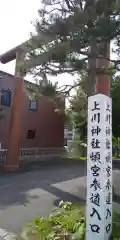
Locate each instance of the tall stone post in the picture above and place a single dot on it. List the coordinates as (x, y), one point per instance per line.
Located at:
(12, 160)
(99, 154)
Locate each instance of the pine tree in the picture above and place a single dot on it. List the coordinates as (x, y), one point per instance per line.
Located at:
(45, 88)
(66, 29)
(78, 106)
(71, 34)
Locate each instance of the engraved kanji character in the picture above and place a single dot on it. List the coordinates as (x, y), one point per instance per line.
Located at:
(95, 228)
(108, 170)
(108, 228)
(95, 184)
(108, 118)
(95, 198)
(95, 143)
(94, 211)
(108, 199)
(96, 106)
(108, 107)
(108, 213)
(95, 170)
(95, 157)
(108, 184)
(107, 144)
(95, 117)
(108, 158)
(95, 130)
(108, 131)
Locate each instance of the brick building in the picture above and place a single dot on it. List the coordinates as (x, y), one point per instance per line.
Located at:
(41, 125)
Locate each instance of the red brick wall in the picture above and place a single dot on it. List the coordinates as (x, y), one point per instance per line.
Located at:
(47, 123)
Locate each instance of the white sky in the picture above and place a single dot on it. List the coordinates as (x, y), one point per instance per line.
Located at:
(15, 17)
(15, 27)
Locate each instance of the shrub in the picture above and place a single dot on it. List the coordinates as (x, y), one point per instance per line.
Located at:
(66, 222)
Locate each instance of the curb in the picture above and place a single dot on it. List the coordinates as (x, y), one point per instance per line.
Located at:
(33, 165)
(116, 163)
(5, 235)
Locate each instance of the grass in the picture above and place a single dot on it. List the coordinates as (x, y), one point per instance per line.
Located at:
(116, 225)
(116, 158)
(77, 157)
(83, 158)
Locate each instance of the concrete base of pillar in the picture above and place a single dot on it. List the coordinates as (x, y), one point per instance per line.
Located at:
(11, 168)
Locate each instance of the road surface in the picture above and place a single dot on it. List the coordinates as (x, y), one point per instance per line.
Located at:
(26, 195)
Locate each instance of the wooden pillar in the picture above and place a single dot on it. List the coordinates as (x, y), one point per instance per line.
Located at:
(103, 80)
(12, 160)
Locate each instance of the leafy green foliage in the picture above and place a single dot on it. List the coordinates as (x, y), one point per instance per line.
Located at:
(47, 89)
(79, 113)
(67, 222)
(115, 93)
(78, 106)
(116, 225)
(78, 150)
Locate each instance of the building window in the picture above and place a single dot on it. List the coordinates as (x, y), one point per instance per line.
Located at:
(33, 105)
(70, 136)
(31, 134)
(6, 97)
(69, 129)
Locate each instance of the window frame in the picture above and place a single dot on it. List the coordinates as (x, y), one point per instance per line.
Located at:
(28, 134)
(2, 97)
(32, 109)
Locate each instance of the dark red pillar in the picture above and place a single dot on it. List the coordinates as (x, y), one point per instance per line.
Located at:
(103, 80)
(12, 161)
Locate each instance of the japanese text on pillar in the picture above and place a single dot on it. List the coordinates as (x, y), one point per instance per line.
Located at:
(99, 193)
(108, 168)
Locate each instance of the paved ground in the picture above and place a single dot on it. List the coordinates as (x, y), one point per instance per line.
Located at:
(30, 194)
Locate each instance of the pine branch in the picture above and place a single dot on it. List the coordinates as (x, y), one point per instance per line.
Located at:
(72, 34)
